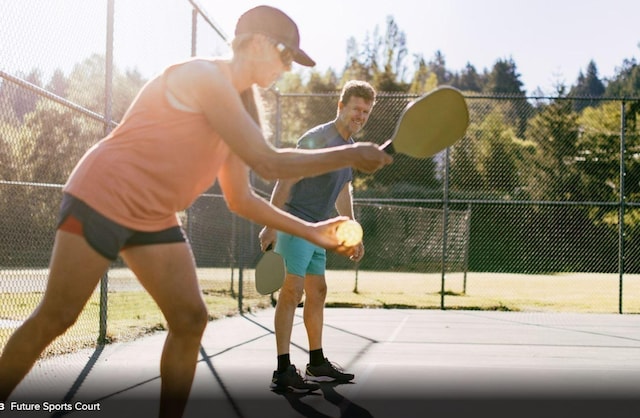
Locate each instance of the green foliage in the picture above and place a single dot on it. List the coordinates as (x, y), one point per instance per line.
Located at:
(554, 130)
(626, 83)
(423, 80)
(40, 142)
(599, 167)
(497, 163)
(560, 150)
(588, 85)
(504, 79)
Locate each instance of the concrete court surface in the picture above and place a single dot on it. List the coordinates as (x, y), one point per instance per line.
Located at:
(408, 363)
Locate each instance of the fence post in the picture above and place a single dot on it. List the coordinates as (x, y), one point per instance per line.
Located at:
(622, 204)
(108, 116)
(194, 31)
(445, 225)
(240, 235)
(467, 239)
(278, 133)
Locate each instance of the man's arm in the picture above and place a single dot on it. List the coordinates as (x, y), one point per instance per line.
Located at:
(279, 197)
(344, 206)
(344, 201)
(281, 192)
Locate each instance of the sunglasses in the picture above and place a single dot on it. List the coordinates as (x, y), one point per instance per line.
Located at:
(286, 54)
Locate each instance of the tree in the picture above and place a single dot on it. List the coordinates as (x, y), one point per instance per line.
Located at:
(387, 81)
(465, 178)
(626, 82)
(438, 66)
(356, 70)
(504, 79)
(395, 49)
(58, 84)
(380, 59)
(289, 116)
(87, 86)
(423, 80)
(18, 100)
(497, 158)
(323, 83)
(54, 139)
(587, 86)
(554, 130)
(598, 153)
(469, 79)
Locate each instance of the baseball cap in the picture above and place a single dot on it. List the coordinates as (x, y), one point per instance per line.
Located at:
(275, 24)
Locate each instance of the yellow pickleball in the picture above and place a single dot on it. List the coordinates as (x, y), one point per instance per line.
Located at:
(349, 233)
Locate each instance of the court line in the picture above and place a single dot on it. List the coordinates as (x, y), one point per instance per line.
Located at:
(396, 331)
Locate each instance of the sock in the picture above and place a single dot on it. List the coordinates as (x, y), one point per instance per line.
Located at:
(283, 362)
(316, 357)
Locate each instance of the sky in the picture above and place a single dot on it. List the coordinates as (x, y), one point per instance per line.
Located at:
(550, 41)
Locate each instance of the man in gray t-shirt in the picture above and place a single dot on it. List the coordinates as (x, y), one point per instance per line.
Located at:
(314, 199)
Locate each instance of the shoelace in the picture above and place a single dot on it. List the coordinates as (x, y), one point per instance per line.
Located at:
(298, 377)
(335, 366)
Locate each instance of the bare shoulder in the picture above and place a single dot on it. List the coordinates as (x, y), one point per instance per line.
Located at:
(202, 67)
(198, 79)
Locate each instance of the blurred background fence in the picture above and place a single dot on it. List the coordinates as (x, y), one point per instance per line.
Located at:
(535, 209)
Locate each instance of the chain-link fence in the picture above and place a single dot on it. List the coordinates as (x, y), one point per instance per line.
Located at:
(535, 209)
(68, 71)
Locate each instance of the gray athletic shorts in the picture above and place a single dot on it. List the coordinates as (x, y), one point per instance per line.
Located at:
(105, 236)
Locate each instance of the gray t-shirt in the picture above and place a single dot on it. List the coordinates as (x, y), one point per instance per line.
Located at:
(313, 198)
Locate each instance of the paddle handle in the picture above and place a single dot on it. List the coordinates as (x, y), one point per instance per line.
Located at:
(388, 147)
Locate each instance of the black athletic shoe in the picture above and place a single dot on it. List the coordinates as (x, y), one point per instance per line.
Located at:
(291, 381)
(327, 372)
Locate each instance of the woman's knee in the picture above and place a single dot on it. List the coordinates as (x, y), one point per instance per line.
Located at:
(53, 323)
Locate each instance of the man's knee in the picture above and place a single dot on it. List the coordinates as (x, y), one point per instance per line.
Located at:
(190, 321)
(291, 293)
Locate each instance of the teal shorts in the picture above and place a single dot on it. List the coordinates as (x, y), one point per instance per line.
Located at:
(300, 256)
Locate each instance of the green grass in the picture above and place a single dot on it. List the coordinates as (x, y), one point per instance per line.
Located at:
(132, 313)
(130, 316)
(571, 292)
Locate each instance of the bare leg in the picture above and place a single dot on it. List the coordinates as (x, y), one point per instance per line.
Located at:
(288, 300)
(69, 286)
(167, 271)
(315, 288)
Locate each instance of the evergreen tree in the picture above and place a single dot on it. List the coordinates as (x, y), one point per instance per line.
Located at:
(423, 80)
(58, 84)
(438, 66)
(587, 86)
(469, 79)
(555, 132)
(626, 83)
(19, 101)
(504, 79)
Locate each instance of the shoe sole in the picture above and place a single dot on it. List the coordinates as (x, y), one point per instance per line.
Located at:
(325, 379)
(277, 388)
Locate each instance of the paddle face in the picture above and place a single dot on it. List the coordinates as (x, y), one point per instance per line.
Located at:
(430, 124)
(270, 272)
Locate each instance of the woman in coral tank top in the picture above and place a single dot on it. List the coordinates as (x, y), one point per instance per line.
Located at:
(187, 128)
